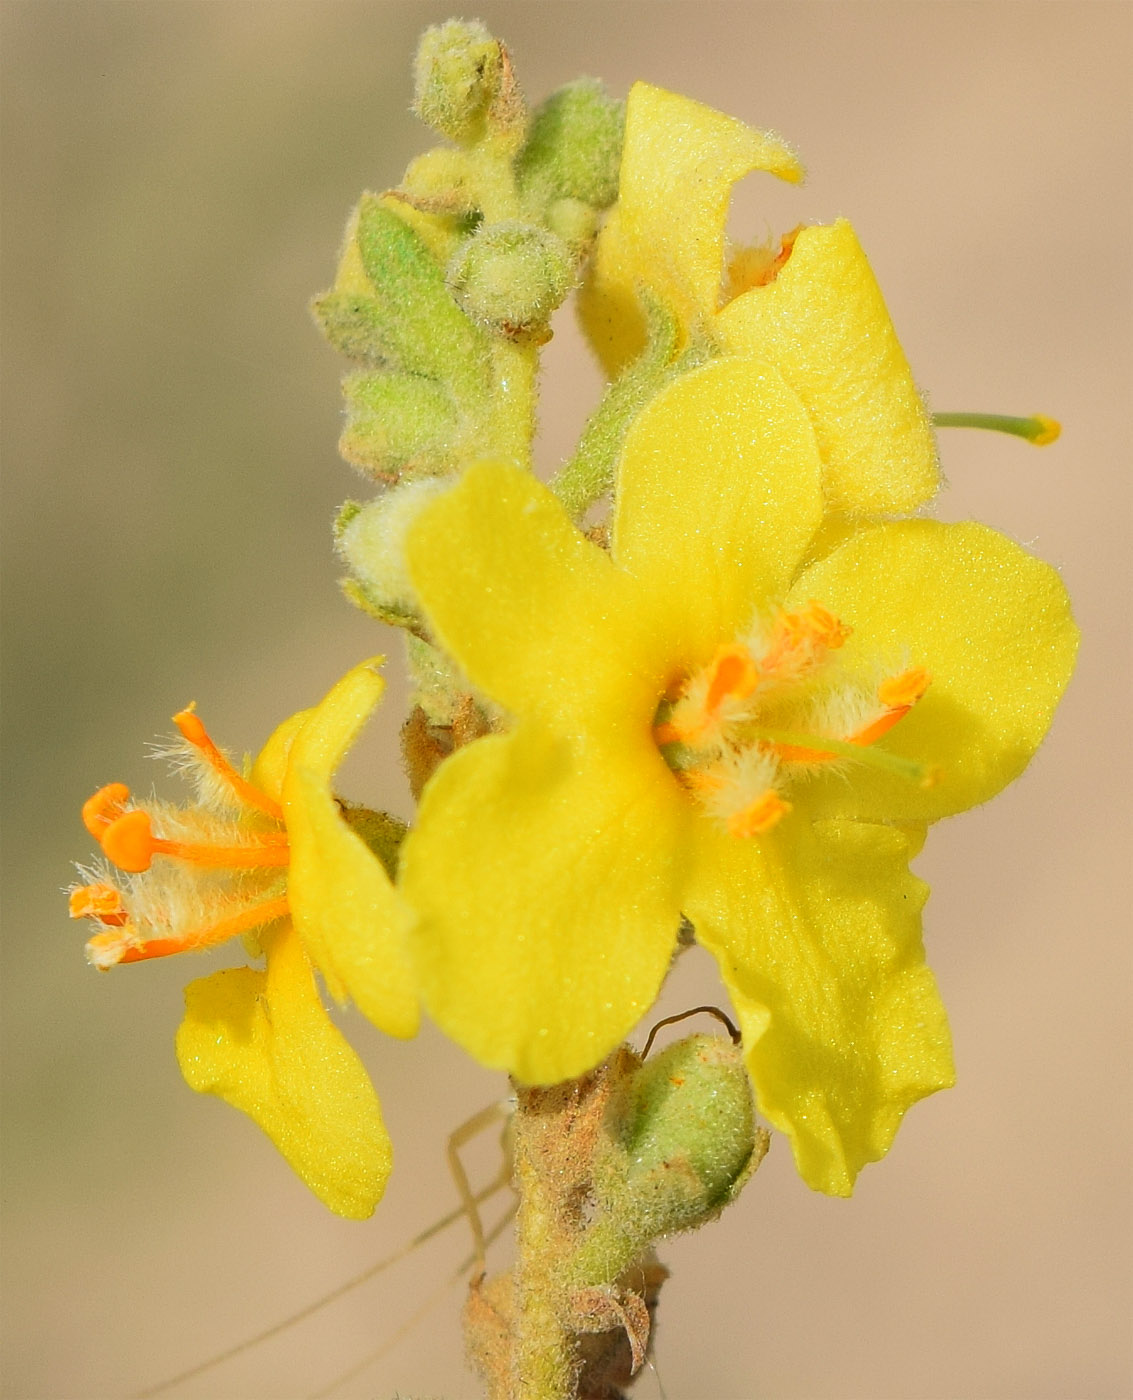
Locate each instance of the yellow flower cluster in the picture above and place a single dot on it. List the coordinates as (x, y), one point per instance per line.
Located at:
(741, 710)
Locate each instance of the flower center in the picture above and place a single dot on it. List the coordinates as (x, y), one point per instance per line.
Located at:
(774, 708)
(222, 861)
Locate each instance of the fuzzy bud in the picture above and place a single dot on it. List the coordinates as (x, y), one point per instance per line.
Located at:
(683, 1140)
(574, 146)
(689, 1130)
(511, 276)
(371, 539)
(457, 73)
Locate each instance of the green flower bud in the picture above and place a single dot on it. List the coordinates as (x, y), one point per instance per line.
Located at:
(397, 424)
(689, 1130)
(574, 146)
(457, 74)
(575, 223)
(372, 542)
(511, 276)
(683, 1142)
(442, 180)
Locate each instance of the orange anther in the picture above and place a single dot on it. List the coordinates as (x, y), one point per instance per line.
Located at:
(190, 727)
(821, 626)
(128, 841)
(106, 950)
(758, 816)
(106, 804)
(732, 672)
(903, 691)
(800, 639)
(193, 731)
(100, 901)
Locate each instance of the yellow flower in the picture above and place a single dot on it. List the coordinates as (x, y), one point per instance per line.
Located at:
(811, 307)
(272, 853)
(707, 726)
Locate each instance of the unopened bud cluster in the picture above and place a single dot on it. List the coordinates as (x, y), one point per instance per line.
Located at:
(447, 284)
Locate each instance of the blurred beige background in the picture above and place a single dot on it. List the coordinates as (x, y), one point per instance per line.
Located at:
(176, 175)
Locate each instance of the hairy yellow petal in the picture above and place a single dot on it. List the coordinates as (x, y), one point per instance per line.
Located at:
(344, 906)
(666, 233)
(992, 626)
(824, 324)
(719, 494)
(536, 614)
(544, 871)
(817, 932)
(263, 1042)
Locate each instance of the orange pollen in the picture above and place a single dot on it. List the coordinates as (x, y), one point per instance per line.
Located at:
(99, 901)
(903, 691)
(733, 672)
(192, 730)
(758, 816)
(106, 804)
(129, 842)
(899, 694)
(813, 627)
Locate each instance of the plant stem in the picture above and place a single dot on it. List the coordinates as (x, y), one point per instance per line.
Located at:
(544, 1360)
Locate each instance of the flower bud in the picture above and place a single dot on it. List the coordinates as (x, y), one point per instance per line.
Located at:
(511, 276)
(575, 223)
(683, 1142)
(574, 146)
(371, 539)
(457, 74)
(689, 1131)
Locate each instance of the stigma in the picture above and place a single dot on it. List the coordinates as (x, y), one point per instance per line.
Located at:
(774, 708)
(176, 879)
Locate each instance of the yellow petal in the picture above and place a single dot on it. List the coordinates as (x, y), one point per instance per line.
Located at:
(719, 493)
(263, 1042)
(666, 233)
(824, 324)
(271, 763)
(992, 626)
(817, 932)
(544, 871)
(535, 613)
(345, 908)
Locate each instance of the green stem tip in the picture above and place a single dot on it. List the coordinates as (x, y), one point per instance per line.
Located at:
(1039, 429)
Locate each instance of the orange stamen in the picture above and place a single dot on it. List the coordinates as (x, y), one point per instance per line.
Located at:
(899, 694)
(130, 843)
(756, 267)
(903, 691)
(759, 816)
(99, 901)
(193, 732)
(103, 945)
(106, 804)
(812, 629)
(733, 672)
